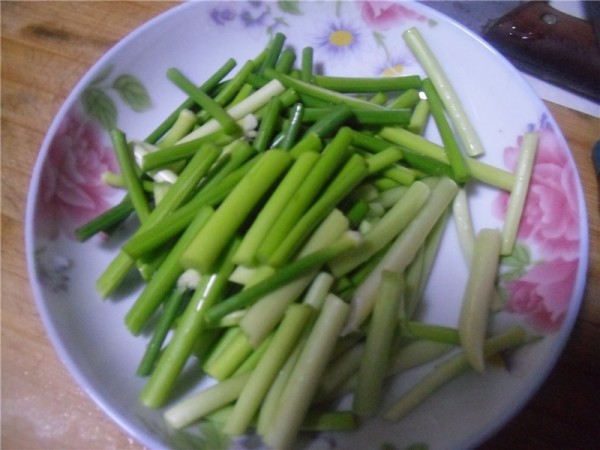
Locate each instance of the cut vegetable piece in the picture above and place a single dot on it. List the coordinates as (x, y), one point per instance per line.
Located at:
(208, 245)
(430, 251)
(431, 332)
(207, 86)
(290, 133)
(330, 121)
(206, 102)
(407, 99)
(261, 226)
(417, 353)
(318, 290)
(401, 175)
(268, 124)
(177, 152)
(272, 52)
(186, 182)
(240, 110)
(373, 366)
(463, 220)
(390, 197)
(385, 230)
(518, 195)
(271, 401)
(418, 119)
(302, 385)
(479, 170)
(164, 279)
(307, 64)
(476, 303)
(185, 122)
(320, 93)
(341, 369)
(383, 159)
(332, 157)
(221, 343)
(205, 402)
(105, 221)
(310, 142)
(452, 102)
(265, 372)
(353, 172)
(230, 358)
(128, 168)
(448, 370)
(405, 357)
(286, 60)
(116, 271)
(163, 326)
(189, 326)
(402, 251)
(250, 363)
(284, 275)
(233, 90)
(262, 317)
(150, 238)
(367, 84)
(453, 151)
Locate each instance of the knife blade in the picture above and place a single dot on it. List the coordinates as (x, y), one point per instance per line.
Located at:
(537, 39)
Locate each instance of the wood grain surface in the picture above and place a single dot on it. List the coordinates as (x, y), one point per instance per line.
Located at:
(46, 48)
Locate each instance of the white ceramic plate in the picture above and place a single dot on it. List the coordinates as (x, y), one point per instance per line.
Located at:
(544, 281)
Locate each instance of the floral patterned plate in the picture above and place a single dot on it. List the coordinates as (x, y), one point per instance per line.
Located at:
(542, 281)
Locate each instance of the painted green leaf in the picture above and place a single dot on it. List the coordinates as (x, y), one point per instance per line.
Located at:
(338, 7)
(290, 6)
(100, 107)
(133, 92)
(520, 257)
(512, 274)
(102, 75)
(379, 39)
(277, 23)
(503, 293)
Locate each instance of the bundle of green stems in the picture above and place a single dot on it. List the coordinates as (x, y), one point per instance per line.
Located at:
(288, 223)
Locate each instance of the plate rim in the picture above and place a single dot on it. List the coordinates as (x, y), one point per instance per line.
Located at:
(146, 438)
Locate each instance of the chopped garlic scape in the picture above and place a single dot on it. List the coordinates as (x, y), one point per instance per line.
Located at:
(142, 148)
(189, 279)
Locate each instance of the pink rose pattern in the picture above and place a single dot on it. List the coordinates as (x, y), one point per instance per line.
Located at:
(384, 15)
(550, 223)
(543, 293)
(71, 190)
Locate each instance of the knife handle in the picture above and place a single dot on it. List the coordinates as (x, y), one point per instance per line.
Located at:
(551, 45)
